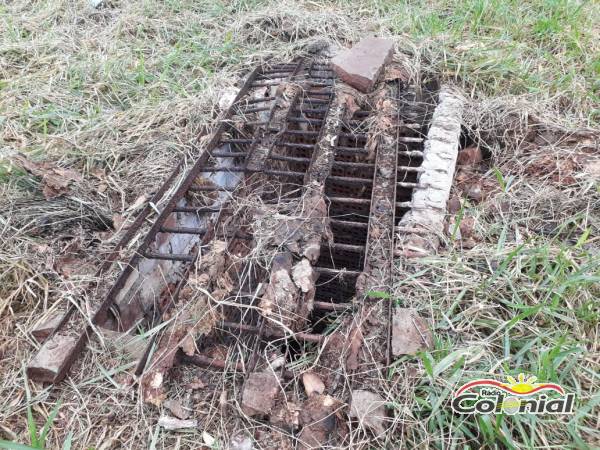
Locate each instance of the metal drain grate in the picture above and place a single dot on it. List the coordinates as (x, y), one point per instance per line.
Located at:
(285, 137)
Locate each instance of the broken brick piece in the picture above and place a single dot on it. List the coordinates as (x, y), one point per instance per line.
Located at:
(50, 359)
(361, 65)
(259, 393)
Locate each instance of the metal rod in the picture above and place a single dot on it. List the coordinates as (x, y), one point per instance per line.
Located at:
(294, 145)
(304, 120)
(301, 133)
(236, 141)
(182, 230)
(290, 159)
(351, 201)
(168, 256)
(328, 306)
(205, 361)
(310, 110)
(346, 247)
(299, 336)
(316, 101)
(417, 153)
(348, 223)
(404, 184)
(355, 165)
(228, 154)
(199, 209)
(336, 272)
(351, 180)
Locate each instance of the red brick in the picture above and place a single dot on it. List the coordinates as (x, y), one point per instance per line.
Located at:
(361, 65)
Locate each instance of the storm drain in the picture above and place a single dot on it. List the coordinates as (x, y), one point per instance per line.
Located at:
(289, 220)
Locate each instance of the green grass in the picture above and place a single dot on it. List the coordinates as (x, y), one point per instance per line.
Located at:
(547, 48)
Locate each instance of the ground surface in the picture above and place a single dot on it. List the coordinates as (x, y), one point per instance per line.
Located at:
(114, 95)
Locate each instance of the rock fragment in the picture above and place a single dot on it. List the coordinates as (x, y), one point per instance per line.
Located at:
(312, 383)
(369, 409)
(171, 423)
(361, 65)
(260, 390)
(410, 333)
(176, 409)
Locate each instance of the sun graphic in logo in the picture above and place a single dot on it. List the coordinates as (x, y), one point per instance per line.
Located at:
(523, 385)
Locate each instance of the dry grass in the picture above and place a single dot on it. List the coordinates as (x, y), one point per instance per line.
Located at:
(121, 92)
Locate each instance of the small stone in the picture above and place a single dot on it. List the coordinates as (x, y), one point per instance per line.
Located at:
(240, 442)
(171, 423)
(312, 383)
(259, 393)
(474, 193)
(453, 205)
(176, 409)
(361, 65)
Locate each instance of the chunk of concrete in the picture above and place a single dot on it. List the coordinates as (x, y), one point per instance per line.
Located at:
(41, 332)
(259, 393)
(50, 359)
(361, 65)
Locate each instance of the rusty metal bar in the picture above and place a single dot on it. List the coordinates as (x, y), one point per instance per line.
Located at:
(299, 336)
(295, 145)
(290, 159)
(199, 209)
(328, 306)
(348, 223)
(237, 141)
(205, 361)
(228, 154)
(346, 247)
(182, 230)
(302, 133)
(336, 272)
(169, 256)
(350, 200)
